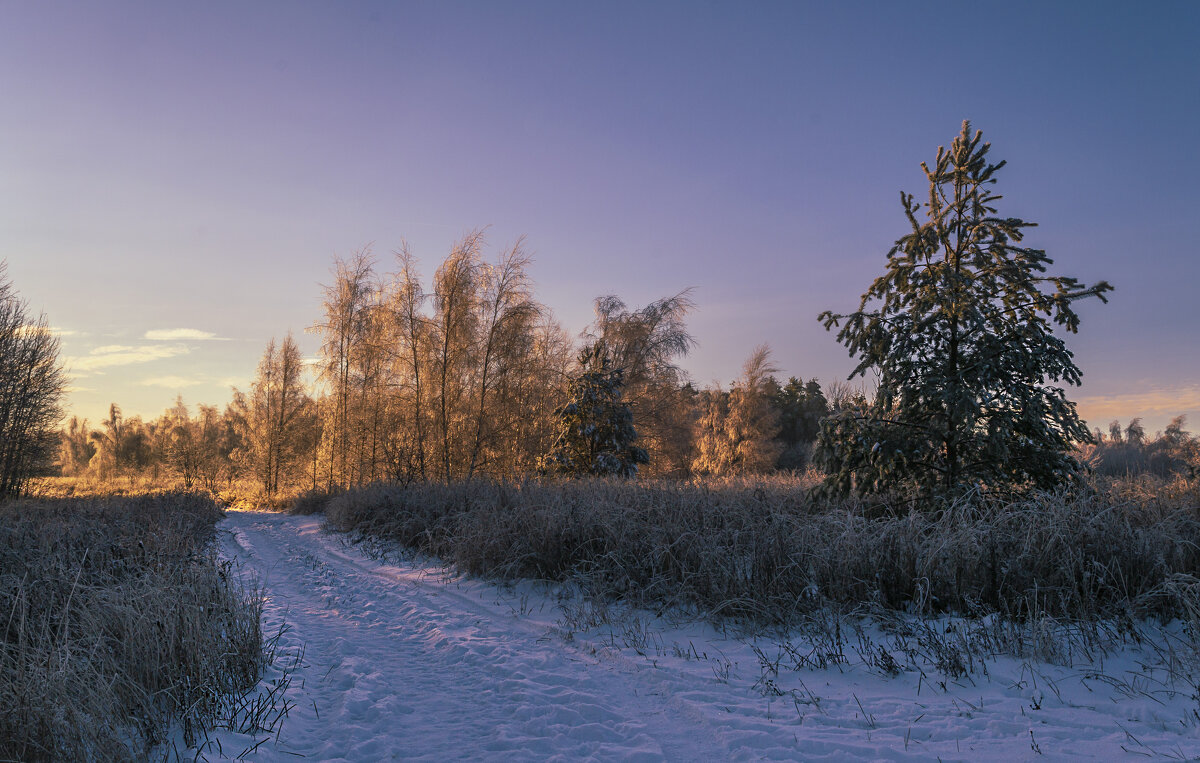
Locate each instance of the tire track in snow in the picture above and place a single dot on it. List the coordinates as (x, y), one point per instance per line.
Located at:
(397, 667)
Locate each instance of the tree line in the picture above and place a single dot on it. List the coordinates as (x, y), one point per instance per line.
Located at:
(470, 375)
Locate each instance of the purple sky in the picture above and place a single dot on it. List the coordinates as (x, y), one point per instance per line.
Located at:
(168, 166)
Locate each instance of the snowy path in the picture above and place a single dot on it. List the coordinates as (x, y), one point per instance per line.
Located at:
(398, 667)
(404, 662)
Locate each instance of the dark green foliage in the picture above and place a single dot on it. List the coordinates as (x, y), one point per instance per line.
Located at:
(959, 332)
(595, 426)
(801, 406)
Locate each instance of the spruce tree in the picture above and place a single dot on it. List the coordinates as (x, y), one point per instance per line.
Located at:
(802, 406)
(959, 331)
(595, 426)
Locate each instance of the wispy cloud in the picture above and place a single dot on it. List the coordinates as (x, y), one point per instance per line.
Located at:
(111, 355)
(179, 335)
(1149, 402)
(33, 328)
(171, 382)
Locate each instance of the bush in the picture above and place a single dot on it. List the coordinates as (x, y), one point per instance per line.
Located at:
(310, 502)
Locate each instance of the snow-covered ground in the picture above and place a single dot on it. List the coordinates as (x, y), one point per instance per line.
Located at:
(402, 660)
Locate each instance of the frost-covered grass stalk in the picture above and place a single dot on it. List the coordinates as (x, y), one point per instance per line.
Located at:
(118, 621)
(763, 551)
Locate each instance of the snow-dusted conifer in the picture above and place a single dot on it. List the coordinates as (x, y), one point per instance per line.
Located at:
(959, 332)
(595, 426)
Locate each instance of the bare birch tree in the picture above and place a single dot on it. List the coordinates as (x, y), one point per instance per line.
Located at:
(76, 450)
(31, 386)
(737, 431)
(273, 413)
(180, 443)
(646, 344)
(506, 341)
(347, 305)
(410, 348)
(541, 385)
(456, 297)
(123, 446)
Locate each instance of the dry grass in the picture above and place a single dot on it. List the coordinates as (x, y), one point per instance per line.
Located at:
(764, 551)
(242, 494)
(245, 496)
(119, 621)
(310, 502)
(91, 487)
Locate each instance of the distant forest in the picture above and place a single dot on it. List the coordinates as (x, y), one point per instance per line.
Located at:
(463, 380)
(470, 377)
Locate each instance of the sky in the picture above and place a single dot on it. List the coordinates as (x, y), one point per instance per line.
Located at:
(177, 178)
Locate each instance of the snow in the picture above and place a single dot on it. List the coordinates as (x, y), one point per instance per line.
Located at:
(402, 659)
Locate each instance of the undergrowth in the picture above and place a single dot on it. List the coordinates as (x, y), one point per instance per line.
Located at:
(764, 551)
(120, 623)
